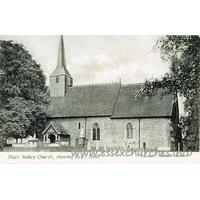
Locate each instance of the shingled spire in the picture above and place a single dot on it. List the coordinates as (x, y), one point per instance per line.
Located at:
(61, 54)
(61, 63)
(60, 79)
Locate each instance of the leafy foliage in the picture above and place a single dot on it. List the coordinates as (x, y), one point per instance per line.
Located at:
(23, 94)
(183, 55)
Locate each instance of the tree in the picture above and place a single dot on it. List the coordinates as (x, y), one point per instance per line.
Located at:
(183, 55)
(23, 93)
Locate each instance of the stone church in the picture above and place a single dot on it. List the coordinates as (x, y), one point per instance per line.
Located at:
(107, 115)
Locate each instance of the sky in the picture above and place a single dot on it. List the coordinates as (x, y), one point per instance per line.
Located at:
(98, 59)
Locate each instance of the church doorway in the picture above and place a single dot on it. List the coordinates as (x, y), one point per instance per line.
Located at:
(52, 138)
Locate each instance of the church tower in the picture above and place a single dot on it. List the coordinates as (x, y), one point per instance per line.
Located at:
(60, 79)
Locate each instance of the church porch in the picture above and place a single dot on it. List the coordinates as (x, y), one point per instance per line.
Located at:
(55, 136)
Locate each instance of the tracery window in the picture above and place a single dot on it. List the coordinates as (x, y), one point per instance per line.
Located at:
(129, 131)
(96, 132)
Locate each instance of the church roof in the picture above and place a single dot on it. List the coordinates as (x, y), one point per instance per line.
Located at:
(113, 100)
(128, 106)
(60, 71)
(91, 100)
(61, 63)
(56, 127)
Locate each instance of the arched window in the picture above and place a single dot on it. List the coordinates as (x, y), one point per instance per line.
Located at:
(96, 132)
(129, 131)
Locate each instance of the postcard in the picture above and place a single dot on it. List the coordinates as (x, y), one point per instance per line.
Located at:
(99, 99)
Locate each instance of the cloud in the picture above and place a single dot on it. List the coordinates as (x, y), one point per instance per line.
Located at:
(106, 68)
(98, 59)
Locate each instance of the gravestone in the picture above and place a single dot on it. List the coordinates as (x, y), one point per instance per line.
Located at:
(18, 140)
(97, 146)
(31, 145)
(88, 146)
(179, 146)
(34, 144)
(144, 146)
(26, 145)
(129, 146)
(23, 140)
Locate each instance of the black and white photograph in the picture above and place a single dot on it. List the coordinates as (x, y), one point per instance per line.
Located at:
(99, 99)
(99, 96)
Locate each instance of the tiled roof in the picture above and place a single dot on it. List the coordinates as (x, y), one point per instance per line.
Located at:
(114, 100)
(128, 106)
(60, 71)
(57, 127)
(83, 101)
